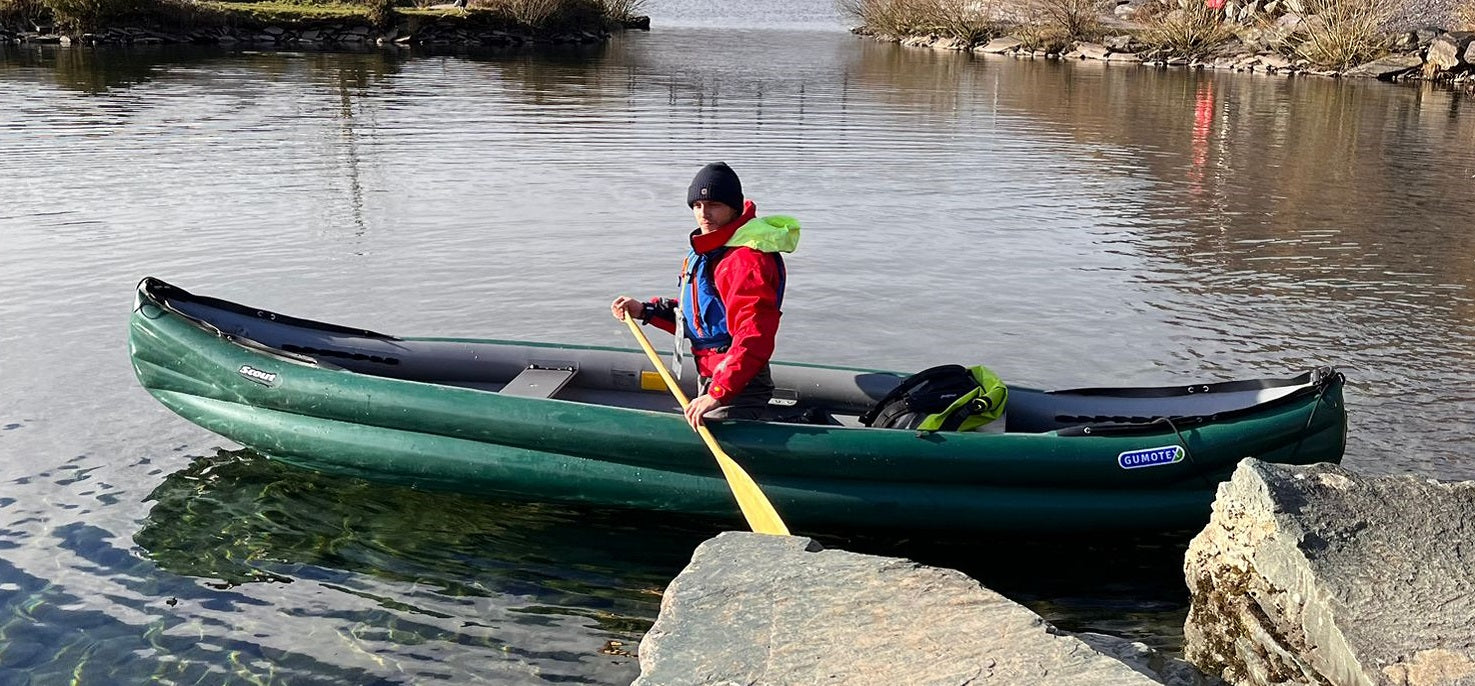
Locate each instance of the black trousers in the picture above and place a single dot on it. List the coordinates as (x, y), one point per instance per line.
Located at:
(752, 403)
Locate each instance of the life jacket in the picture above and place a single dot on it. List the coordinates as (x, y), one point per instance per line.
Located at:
(704, 317)
(946, 398)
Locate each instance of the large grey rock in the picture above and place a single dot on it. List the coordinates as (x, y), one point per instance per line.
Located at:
(1417, 39)
(1092, 51)
(950, 44)
(1000, 45)
(1447, 52)
(1387, 67)
(1315, 575)
(1289, 23)
(1275, 62)
(757, 609)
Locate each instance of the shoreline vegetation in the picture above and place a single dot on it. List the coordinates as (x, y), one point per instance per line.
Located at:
(325, 23)
(1392, 40)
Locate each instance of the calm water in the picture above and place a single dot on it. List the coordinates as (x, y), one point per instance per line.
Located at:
(1065, 224)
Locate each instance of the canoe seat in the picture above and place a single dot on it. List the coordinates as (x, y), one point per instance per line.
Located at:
(539, 382)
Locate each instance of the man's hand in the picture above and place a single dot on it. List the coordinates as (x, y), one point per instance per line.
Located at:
(699, 406)
(625, 306)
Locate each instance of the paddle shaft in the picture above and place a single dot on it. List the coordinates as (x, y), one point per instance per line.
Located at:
(761, 516)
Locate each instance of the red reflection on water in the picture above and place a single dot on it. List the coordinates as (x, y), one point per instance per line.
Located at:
(1203, 124)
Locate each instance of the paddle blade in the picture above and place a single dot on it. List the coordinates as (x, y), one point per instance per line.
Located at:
(761, 516)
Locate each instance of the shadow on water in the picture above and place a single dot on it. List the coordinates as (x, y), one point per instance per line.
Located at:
(237, 518)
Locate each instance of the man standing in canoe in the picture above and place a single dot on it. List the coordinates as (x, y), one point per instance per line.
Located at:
(731, 289)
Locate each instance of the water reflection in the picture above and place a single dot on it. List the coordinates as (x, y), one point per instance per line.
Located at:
(525, 580)
(98, 70)
(240, 518)
(86, 71)
(499, 569)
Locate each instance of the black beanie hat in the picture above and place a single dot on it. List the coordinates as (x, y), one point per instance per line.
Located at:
(719, 182)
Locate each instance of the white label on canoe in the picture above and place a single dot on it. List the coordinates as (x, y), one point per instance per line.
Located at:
(1150, 457)
(254, 374)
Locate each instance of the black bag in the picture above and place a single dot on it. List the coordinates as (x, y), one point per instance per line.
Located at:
(924, 394)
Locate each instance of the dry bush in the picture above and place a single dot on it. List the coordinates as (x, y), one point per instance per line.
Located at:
(88, 15)
(882, 16)
(1343, 33)
(1189, 28)
(965, 20)
(380, 13)
(1050, 25)
(622, 10)
(546, 14)
(32, 14)
(969, 21)
(532, 12)
(81, 16)
(1076, 19)
(1039, 37)
(1041, 24)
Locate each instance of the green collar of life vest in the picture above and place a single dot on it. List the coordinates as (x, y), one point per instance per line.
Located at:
(775, 233)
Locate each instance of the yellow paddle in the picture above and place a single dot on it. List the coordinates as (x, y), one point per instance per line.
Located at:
(761, 516)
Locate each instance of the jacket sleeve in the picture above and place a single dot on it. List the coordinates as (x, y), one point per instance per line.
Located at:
(747, 280)
(660, 313)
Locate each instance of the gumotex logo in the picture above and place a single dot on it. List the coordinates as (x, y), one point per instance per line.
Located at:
(1150, 457)
(254, 374)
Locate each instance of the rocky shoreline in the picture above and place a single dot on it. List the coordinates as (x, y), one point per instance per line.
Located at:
(327, 34)
(1304, 575)
(1427, 54)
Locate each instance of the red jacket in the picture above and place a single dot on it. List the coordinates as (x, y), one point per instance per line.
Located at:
(747, 281)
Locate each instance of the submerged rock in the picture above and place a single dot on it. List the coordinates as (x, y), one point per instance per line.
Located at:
(758, 609)
(1315, 575)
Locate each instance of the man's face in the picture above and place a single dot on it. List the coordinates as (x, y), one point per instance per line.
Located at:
(712, 215)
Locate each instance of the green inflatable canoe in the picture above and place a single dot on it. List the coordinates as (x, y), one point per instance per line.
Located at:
(582, 424)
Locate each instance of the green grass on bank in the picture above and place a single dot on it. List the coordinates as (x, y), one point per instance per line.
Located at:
(92, 15)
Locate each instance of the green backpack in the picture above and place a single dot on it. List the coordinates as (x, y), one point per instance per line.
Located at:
(946, 398)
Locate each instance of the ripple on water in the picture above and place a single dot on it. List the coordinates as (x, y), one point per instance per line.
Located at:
(1067, 225)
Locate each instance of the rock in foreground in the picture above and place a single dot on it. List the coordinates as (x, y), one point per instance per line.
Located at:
(1314, 575)
(756, 609)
